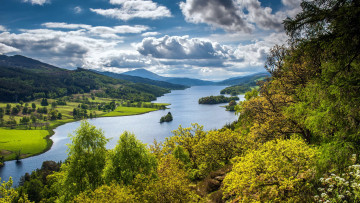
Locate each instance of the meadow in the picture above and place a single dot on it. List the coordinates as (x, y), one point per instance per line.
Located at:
(26, 142)
(35, 140)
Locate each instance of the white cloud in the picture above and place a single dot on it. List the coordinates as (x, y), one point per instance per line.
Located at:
(7, 49)
(262, 17)
(37, 2)
(102, 31)
(238, 15)
(77, 9)
(65, 25)
(182, 47)
(219, 14)
(148, 34)
(2, 28)
(130, 9)
(57, 47)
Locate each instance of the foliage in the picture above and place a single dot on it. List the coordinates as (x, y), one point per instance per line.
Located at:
(129, 158)
(105, 193)
(216, 99)
(171, 185)
(236, 89)
(167, 118)
(340, 188)
(35, 185)
(279, 170)
(86, 160)
(216, 150)
(9, 194)
(231, 106)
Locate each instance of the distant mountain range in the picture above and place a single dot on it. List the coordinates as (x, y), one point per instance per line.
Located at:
(26, 79)
(175, 80)
(144, 80)
(195, 82)
(23, 78)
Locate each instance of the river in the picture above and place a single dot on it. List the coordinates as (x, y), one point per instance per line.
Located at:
(184, 109)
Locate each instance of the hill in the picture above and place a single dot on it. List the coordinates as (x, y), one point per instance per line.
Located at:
(26, 79)
(244, 79)
(175, 80)
(137, 79)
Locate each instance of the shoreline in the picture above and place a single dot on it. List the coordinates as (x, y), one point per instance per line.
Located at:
(50, 142)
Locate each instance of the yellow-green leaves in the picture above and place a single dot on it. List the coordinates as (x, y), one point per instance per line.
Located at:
(276, 171)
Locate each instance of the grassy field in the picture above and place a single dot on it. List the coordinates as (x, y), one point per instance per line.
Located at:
(36, 141)
(127, 111)
(29, 142)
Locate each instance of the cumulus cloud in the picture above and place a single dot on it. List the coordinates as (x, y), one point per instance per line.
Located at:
(189, 53)
(37, 2)
(4, 49)
(57, 47)
(237, 15)
(182, 47)
(130, 9)
(2, 29)
(255, 53)
(92, 48)
(217, 13)
(262, 17)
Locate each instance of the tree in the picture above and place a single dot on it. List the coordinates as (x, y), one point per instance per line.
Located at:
(187, 138)
(44, 102)
(33, 105)
(172, 184)
(278, 171)
(86, 160)
(129, 159)
(9, 194)
(217, 148)
(105, 193)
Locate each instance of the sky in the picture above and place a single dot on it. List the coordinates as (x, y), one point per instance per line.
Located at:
(204, 39)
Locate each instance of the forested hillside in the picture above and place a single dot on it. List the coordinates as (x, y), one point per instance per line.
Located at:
(296, 140)
(26, 79)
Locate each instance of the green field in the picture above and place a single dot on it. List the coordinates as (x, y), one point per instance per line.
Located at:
(36, 141)
(29, 142)
(127, 111)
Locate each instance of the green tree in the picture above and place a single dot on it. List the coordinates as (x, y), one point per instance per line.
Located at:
(172, 184)
(107, 193)
(279, 171)
(85, 163)
(217, 148)
(44, 102)
(129, 159)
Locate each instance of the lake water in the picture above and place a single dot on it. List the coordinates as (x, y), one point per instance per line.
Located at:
(184, 108)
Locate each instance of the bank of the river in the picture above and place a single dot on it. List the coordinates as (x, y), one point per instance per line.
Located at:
(184, 108)
(20, 143)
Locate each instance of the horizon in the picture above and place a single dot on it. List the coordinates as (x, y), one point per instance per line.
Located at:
(203, 39)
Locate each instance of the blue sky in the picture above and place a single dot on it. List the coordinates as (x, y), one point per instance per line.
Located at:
(205, 39)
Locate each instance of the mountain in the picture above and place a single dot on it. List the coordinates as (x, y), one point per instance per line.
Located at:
(175, 80)
(137, 79)
(145, 74)
(244, 79)
(190, 81)
(23, 78)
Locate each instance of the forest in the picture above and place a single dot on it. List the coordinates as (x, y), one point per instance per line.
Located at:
(31, 80)
(217, 99)
(296, 139)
